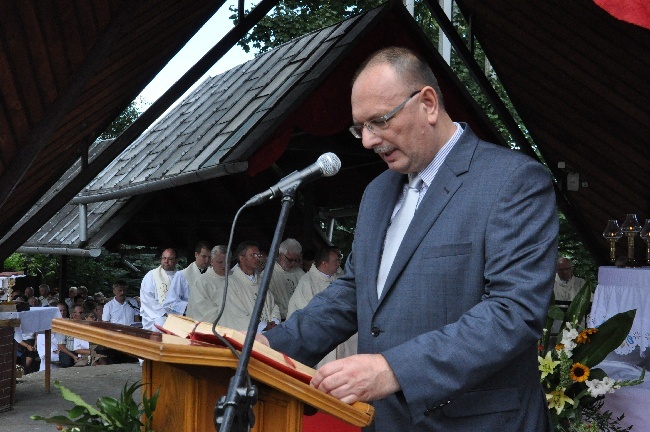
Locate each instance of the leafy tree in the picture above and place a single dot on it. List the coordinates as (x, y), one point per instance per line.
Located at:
(294, 18)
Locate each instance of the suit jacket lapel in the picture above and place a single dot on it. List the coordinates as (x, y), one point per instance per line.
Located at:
(442, 189)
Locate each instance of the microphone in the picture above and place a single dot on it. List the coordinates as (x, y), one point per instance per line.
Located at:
(327, 165)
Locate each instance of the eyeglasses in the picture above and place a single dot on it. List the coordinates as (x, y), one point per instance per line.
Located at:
(380, 122)
(256, 255)
(292, 261)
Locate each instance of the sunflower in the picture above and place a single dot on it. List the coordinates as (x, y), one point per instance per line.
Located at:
(579, 372)
(583, 337)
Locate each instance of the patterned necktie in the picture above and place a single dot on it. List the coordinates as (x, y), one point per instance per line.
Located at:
(397, 229)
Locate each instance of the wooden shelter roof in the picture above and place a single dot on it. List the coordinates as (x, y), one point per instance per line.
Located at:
(576, 75)
(239, 132)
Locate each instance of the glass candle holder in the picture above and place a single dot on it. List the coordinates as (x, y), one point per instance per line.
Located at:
(612, 233)
(630, 228)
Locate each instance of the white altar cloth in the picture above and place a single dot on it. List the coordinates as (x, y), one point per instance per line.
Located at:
(620, 290)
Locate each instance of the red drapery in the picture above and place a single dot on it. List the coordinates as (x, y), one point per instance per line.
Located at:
(633, 11)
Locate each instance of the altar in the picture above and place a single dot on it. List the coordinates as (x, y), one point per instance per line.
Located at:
(620, 290)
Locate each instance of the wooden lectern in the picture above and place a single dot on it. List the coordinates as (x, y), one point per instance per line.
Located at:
(193, 375)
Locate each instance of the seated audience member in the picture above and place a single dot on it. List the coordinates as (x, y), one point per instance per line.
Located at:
(40, 348)
(87, 352)
(26, 349)
(566, 284)
(76, 312)
(99, 310)
(34, 301)
(44, 291)
(65, 343)
(83, 292)
(18, 292)
(121, 309)
(27, 354)
(29, 292)
(72, 293)
(89, 305)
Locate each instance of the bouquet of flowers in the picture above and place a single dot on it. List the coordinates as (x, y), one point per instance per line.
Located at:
(574, 386)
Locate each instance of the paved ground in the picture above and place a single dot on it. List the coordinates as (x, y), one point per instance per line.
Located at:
(88, 382)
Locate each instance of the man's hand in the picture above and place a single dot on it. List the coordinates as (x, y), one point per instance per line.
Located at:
(363, 377)
(262, 339)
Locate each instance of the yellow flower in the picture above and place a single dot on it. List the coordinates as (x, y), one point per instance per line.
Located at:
(559, 347)
(583, 337)
(579, 372)
(547, 364)
(556, 399)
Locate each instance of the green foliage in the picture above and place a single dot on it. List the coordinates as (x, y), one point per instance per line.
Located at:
(98, 274)
(124, 120)
(112, 415)
(570, 245)
(290, 19)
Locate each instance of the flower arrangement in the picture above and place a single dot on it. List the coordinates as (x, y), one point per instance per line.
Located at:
(575, 388)
(118, 415)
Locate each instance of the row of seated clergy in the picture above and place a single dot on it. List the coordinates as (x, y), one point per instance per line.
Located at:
(202, 301)
(325, 269)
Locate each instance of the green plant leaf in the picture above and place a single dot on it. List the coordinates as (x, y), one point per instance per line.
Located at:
(555, 313)
(578, 307)
(610, 335)
(70, 396)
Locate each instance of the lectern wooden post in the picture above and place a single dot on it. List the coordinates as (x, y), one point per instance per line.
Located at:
(193, 375)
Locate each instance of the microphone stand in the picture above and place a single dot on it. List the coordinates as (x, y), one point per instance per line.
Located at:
(234, 412)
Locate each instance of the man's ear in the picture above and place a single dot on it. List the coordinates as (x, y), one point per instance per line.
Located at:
(429, 97)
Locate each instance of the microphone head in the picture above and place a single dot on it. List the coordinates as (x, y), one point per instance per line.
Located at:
(329, 164)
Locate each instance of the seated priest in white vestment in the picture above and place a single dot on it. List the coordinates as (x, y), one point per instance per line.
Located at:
(287, 271)
(243, 285)
(566, 285)
(153, 291)
(206, 298)
(324, 270)
(185, 281)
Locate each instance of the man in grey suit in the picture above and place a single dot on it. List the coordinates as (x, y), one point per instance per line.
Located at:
(447, 332)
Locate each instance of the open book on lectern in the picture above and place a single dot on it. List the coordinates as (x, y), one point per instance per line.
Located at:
(202, 331)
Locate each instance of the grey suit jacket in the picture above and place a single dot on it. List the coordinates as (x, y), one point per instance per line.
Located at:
(465, 300)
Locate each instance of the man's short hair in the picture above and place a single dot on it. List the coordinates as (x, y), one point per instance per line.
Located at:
(323, 254)
(218, 249)
(408, 65)
(290, 245)
(243, 247)
(120, 283)
(202, 245)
